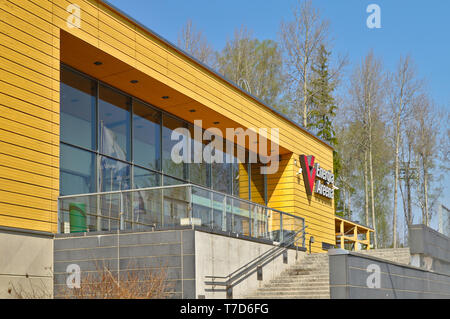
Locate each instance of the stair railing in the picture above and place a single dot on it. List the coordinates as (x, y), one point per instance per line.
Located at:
(231, 279)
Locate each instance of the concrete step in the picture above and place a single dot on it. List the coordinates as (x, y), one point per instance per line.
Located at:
(297, 285)
(299, 278)
(311, 275)
(305, 271)
(290, 297)
(293, 293)
(323, 285)
(285, 290)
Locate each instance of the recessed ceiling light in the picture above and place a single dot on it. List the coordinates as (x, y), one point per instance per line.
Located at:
(98, 63)
(192, 111)
(134, 81)
(165, 97)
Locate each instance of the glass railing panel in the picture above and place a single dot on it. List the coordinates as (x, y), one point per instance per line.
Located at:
(109, 208)
(229, 218)
(291, 225)
(274, 225)
(147, 208)
(241, 217)
(78, 214)
(176, 206)
(259, 222)
(219, 214)
(201, 207)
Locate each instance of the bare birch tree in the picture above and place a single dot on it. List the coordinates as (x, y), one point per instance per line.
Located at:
(403, 87)
(408, 171)
(426, 130)
(194, 42)
(366, 92)
(300, 40)
(253, 64)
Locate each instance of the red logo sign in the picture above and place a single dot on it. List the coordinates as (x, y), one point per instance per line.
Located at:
(309, 172)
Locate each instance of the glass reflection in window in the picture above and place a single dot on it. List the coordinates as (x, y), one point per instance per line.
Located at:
(77, 171)
(114, 175)
(146, 136)
(114, 124)
(78, 109)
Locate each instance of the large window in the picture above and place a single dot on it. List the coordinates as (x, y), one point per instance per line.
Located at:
(112, 141)
(78, 110)
(169, 166)
(221, 171)
(199, 173)
(114, 124)
(146, 136)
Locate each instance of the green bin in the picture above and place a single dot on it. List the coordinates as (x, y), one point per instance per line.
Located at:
(77, 214)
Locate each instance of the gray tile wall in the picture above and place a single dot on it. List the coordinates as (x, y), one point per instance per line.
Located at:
(348, 279)
(137, 251)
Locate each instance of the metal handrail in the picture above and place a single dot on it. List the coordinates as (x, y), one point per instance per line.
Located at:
(286, 243)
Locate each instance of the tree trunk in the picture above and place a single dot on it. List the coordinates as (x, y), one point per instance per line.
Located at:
(372, 199)
(366, 190)
(397, 145)
(425, 193)
(344, 201)
(305, 100)
(408, 189)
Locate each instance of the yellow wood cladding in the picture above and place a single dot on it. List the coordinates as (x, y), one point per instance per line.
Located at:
(29, 115)
(29, 104)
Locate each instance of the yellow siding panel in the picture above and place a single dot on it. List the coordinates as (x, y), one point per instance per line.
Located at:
(27, 154)
(26, 142)
(25, 177)
(27, 201)
(32, 24)
(45, 116)
(27, 73)
(17, 222)
(24, 37)
(20, 93)
(27, 166)
(29, 131)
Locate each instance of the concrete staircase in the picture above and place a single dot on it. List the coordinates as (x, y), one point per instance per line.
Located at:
(309, 278)
(399, 255)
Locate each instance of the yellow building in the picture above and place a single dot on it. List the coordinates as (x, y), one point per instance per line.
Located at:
(123, 71)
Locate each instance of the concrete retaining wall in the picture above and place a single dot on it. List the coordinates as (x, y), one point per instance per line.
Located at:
(217, 255)
(26, 264)
(429, 249)
(358, 276)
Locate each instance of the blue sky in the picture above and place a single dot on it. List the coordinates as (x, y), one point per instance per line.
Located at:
(420, 28)
(416, 27)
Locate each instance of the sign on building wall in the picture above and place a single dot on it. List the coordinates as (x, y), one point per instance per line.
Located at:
(317, 180)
